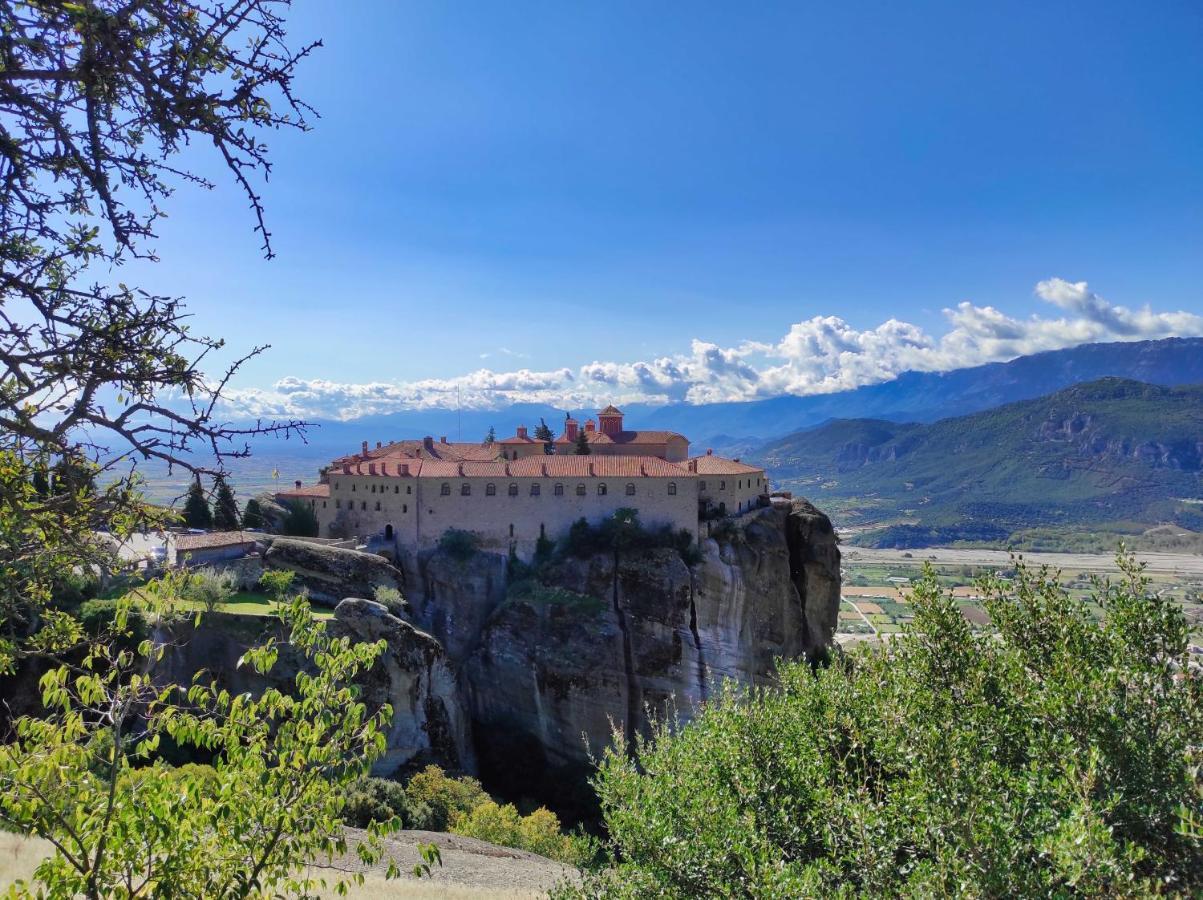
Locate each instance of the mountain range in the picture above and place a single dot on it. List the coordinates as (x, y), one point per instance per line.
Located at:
(1112, 454)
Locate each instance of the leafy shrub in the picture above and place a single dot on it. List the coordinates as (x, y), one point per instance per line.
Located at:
(538, 594)
(458, 544)
(537, 833)
(74, 588)
(390, 597)
(623, 531)
(1057, 756)
(382, 800)
(98, 617)
(445, 797)
(209, 587)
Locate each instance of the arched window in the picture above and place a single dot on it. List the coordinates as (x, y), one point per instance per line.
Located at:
(396, 488)
(323, 504)
(404, 507)
(601, 489)
(672, 488)
(511, 529)
(534, 489)
(722, 485)
(513, 490)
(373, 489)
(630, 490)
(377, 506)
(388, 531)
(490, 490)
(465, 490)
(701, 485)
(580, 490)
(364, 505)
(559, 491)
(409, 489)
(445, 490)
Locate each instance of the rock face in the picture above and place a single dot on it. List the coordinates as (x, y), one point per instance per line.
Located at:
(429, 724)
(331, 573)
(412, 675)
(605, 640)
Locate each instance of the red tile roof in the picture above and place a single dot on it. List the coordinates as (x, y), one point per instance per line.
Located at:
(308, 490)
(611, 410)
(626, 437)
(187, 542)
(717, 465)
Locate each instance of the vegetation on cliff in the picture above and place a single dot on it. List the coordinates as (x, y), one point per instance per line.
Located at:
(1054, 755)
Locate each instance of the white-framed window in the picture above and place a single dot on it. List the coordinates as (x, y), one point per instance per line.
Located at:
(445, 490)
(490, 490)
(601, 489)
(630, 489)
(534, 489)
(465, 490)
(513, 490)
(672, 488)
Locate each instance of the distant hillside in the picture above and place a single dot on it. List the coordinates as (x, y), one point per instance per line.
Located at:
(1111, 453)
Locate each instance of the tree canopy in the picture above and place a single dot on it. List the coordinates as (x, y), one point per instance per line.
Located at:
(1052, 754)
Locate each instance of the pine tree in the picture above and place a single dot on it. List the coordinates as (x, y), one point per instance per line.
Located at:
(546, 435)
(225, 507)
(252, 514)
(582, 443)
(196, 508)
(491, 437)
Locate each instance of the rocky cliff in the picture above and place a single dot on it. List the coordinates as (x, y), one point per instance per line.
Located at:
(429, 723)
(603, 642)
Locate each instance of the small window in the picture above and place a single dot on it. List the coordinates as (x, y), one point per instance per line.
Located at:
(701, 485)
(396, 488)
(352, 485)
(404, 507)
(534, 489)
(336, 485)
(323, 504)
(445, 490)
(409, 489)
(490, 490)
(373, 489)
(580, 490)
(741, 484)
(722, 485)
(630, 490)
(465, 490)
(601, 489)
(559, 491)
(513, 490)
(338, 504)
(377, 506)
(511, 529)
(364, 505)
(672, 488)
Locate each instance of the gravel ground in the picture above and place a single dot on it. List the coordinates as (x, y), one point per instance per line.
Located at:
(470, 869)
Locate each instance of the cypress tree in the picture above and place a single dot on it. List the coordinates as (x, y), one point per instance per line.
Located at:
(225, 507)
(491, 437)
(252, 514)
(196, 508)
(582, 444)
(546, 435)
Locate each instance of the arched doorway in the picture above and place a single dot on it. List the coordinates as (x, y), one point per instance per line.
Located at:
(388, 532)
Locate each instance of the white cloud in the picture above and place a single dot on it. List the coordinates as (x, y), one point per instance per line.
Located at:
(819, 355)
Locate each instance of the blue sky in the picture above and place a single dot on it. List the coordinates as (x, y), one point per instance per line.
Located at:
(541, 187)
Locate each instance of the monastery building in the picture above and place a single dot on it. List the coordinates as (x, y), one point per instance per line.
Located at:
(511, 491)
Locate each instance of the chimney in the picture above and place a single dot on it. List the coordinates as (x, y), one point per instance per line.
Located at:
(405, 469)
(298, 484)
(570, 430)
(589, 426)
(709, 451)
(443, 439)
(736, 459)
(365, 448)
(428, 442)
(522, 431)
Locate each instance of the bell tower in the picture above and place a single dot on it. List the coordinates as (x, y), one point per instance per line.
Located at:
(610, 420)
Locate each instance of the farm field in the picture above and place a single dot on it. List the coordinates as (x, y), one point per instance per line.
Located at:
(876, 584)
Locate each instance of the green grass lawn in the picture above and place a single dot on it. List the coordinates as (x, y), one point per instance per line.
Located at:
(247, 603)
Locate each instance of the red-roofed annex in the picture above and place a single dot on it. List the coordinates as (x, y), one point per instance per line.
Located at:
(511, 491)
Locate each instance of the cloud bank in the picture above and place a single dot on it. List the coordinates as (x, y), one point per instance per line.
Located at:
(820, 355)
